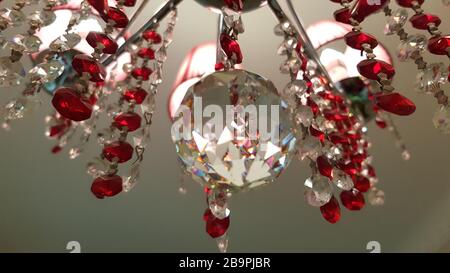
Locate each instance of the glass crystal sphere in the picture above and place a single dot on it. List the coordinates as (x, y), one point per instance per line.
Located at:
(236, 131)
(217, 5)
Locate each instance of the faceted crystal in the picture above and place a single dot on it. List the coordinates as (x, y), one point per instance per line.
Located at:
(309, 147)
(396, 104)
(233, 153)
(376, 197)
(46, 72)
(15, 109)
(396, 21)
(441, 119)
(119, 151)
(352, 199)
(318, 190)
(218, 203)
(15, 17)
(412, 47)
(130, 181)
(342, 180)
(431, 78)
(106, 186)
(41, 18)
(331, 211)
(303, 115)
(215, 227)
(65, 42)
(11, 73)
(422, 21)
(97, 167)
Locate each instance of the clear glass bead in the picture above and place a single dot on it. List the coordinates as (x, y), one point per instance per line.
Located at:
(342, 180)
(396, 21)
(441, 119)
(11, 73)
(318, 190)
(431, 78)
(412, 47)
(65, 42)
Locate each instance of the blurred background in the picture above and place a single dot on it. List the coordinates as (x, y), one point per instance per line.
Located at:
(45, 199)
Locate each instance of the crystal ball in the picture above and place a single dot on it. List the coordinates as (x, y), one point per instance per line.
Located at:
(217, 5)
(233, 130)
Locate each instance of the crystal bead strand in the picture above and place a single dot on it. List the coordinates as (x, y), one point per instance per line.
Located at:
(59, 127)
(318, 190)
(217, 215)
(372, 69)
(116, 149)
(148, 105)
(431, 77)
(28, 43)
(11, 18)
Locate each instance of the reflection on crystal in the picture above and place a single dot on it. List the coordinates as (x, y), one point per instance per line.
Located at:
(396, 21)
(342, 180)
(318, 190)
(430, 79)
(309, 147)
(11, 73)
(17, 108)
(441, 119)
(376, 197)
(222, 243)
(240, 159)
(412, 47)
(97, 167)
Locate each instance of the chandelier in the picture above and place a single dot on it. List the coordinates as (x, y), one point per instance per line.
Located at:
(95, 69)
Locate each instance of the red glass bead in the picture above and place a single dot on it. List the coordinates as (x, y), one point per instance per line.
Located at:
(146, 53)
(142, 73)
(409, 3)
(364, 8)
(71, 105)
(136, 95)
(215, 227)
(128, 121)
(107, 186)
(118, 150)
(324, 166)
(356, 39)
(109, 46)
(421, 21)
(439, 45)
(129, 3)
(381, 123)
(317, 133)
(352, 200)
(331, 211)
(372, 68)
(116, 16)
(343, 16)
(231, 48)
(396, 104)
(56, 149)
(99, 5)
(236, 5)
(361, 183)
(84, 64)
(152, 36)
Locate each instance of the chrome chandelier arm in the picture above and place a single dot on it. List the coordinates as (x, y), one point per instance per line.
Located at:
(303, 36)
(158, 17)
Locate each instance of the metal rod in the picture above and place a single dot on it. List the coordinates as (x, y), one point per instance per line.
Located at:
(220, 26)
(158, 17)
(302, 34)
